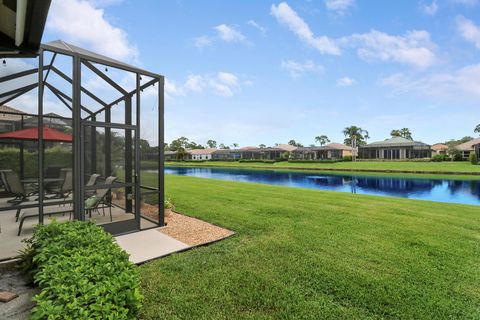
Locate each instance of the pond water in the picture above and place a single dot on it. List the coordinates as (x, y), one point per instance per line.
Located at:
(442, 190)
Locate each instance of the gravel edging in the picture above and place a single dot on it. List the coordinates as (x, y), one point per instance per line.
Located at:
(193, 231)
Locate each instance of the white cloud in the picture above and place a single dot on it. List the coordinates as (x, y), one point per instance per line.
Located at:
(81, 23)
(414, 48)
(203, 41)
(262, 30)
(297, 69)
(229, 33)
(195, 83)
(468, 3)
(345, 82)
(287, 16)
(339, 6)
(222, 83)
(469, 31)
(430, 9)
(463, 83)
(172, 89)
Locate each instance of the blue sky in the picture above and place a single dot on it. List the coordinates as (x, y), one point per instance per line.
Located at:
(252, 72)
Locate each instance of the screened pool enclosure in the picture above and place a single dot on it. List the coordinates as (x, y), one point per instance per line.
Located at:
(74, 126)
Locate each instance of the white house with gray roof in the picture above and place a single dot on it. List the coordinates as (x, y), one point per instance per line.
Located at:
(397, 148)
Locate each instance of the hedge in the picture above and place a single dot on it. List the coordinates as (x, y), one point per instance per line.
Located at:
(82, 273)
(256, 160)
(314, 161)
(10, 159)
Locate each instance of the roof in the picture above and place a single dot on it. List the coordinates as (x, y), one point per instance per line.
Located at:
(338, 146)
(468, 146)
(331, 146)
(9, 116)
(268, 149)
(396, 142)
(48, 134)
(248, 148)
(226, 151)
(439, 147)
(286, 147)
(202, 151)
(72, 50)
(21, 27)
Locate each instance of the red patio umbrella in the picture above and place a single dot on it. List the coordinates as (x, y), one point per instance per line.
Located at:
(49, 134)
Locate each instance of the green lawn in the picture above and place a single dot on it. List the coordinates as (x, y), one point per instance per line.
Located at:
(306, 254)
(449, 167)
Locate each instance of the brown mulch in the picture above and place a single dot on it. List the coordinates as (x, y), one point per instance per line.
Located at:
(192, 231)
(188, 230)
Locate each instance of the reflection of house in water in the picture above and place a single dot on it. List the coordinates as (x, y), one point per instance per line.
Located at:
(467, 187)
(397, 186)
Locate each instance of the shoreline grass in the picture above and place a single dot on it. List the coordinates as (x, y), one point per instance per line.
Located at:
(443, 168)
(311, 254)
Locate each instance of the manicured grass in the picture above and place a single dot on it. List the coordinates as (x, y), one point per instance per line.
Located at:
(306, 254)
(449, 167)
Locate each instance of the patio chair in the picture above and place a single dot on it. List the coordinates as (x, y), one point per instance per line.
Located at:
(15, 187)
(103, 197)
(67, 185)
(53, 172)
(91, 182)
(3, 178)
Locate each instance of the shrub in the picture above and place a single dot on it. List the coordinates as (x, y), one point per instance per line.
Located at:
(347, 158)
(256, 160)
(312, 161)
(438, 158)
(82, 273)
(473, 158)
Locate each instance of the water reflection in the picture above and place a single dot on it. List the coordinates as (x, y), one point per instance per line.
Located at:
(457, 191)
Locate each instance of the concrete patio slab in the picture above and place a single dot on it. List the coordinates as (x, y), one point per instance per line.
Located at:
(149, 244)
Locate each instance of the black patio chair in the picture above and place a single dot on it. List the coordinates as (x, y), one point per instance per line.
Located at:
(15, 187)
(66, 187)
(104, 199)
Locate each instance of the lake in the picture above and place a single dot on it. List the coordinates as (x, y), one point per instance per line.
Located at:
(442, 190)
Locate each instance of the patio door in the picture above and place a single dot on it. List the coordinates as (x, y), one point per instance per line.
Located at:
(110, 168)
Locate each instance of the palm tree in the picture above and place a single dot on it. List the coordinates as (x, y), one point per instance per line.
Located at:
(262, 146)
(235, 145)
(355, 136)
(322, 140)
(477, 129)
(404, 133)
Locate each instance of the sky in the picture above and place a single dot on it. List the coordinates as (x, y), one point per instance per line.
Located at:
(266, 72)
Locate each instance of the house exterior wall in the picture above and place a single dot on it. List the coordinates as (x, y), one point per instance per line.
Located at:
(200, 157)
(394, 153)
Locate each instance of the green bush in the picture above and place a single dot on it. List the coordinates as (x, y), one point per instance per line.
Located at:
(82, 273)
(312, 161)
(347, 158)
(438, 158)
(473, 158)
(256, 160)
(57, 155)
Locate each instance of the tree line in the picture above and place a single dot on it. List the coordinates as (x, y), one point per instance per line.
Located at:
(354, 136)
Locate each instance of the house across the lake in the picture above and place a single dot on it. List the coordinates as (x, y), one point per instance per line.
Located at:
(201, 154)
(467, 147)
(440, 148)
(395, 149)
(332, 151)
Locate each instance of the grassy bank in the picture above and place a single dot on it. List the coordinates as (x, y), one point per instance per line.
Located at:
(309, 254)
(360, 166)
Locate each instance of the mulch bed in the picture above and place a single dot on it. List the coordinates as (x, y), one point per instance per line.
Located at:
(188, 230)
(192, 231)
